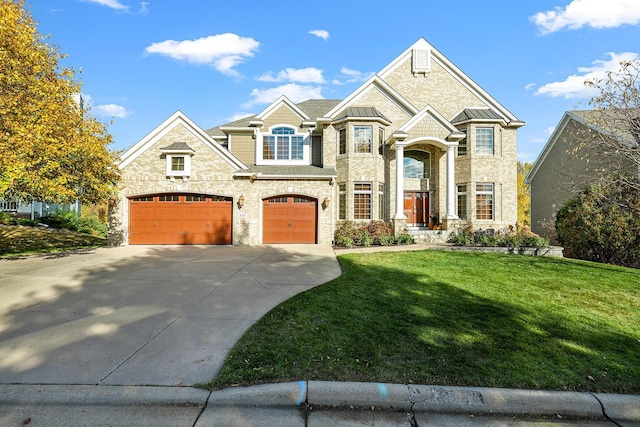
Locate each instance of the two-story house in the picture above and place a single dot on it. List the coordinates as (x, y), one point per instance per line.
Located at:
(418, 143)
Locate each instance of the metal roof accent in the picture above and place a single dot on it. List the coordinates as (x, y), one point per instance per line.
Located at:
(362, 112)
(469, 114)
(178, 147)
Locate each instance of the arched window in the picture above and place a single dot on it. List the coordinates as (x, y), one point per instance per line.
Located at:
(417, 164)
(283, 144)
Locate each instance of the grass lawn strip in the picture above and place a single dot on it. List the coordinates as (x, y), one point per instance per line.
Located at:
(20, 240)
(453, 318)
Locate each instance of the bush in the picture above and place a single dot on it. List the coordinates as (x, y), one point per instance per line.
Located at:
(5, 218)
(62, 219)
(602, 224)
(510, 237)
(350, 233)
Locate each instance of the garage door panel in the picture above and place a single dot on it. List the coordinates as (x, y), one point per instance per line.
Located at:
(180, 222)
(289, 219)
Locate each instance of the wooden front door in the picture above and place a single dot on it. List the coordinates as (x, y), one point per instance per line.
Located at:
(416, 207)
(289, 219)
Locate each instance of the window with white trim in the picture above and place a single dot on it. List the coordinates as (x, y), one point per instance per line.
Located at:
(362, 200)
(178, 164)
(363, 139)
(462, 145)
(342, 141)
(484, 201)
(342, 200)
(484, 141)
(462, 201)
(381, 201)
(283, 145)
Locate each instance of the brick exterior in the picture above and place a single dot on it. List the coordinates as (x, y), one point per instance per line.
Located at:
(444, 89)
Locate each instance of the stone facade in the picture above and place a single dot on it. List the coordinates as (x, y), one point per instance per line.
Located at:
(426, 112)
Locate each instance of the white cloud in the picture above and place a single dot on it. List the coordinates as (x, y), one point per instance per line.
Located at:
(592, 13)
(574, 87)
(529, 86)
(347, 75)
(323, 34)
(237, 116)
(113, 4)
(111, 110)
(300, 75)
(222, 51)
(293, 91)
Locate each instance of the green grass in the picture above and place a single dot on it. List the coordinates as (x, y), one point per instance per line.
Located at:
(20, 240)
(453, 318)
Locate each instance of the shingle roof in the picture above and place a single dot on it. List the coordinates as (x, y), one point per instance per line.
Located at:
(362, 112)
(315, 108)
(476, 114)
(290, 171)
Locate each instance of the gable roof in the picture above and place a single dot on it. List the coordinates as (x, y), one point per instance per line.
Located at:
(477, 115)
(429, 112)
(586, 118)
(176, 119)
(451, 68)
(363, 113)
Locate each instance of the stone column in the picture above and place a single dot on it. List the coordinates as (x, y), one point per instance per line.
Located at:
(451, 183)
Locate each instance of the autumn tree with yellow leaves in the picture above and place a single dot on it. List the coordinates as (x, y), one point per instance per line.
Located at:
(524, 197)
(50, 148)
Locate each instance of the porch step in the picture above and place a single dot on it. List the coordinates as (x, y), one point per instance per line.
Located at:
(424, 235)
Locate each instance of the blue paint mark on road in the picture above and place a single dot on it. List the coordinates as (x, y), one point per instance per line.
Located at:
(382, 389)
(303, 392)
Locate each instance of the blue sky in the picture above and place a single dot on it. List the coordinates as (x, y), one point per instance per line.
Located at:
(218, 61)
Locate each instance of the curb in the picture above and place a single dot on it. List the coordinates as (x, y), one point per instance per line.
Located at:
(432, 399)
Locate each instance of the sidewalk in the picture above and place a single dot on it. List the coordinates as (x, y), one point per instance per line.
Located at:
(313, 403)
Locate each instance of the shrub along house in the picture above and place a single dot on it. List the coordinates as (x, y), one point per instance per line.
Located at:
(419, 142)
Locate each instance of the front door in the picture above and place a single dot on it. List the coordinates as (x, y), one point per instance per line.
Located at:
(416, 207)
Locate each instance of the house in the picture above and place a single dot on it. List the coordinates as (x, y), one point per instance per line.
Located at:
(571, 158)
(34, 209)
(419, 142)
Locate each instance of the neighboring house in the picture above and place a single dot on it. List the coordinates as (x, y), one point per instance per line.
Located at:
(419, 142)
(34, 210)
(573, 157)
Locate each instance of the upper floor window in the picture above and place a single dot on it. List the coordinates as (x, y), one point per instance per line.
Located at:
(462, 145)
(484, 141)
(342, 141)
(381, 141)
(363, 139)
(284, 144)
(417, 164)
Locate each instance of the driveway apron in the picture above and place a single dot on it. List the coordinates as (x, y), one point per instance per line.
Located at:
(143, 315)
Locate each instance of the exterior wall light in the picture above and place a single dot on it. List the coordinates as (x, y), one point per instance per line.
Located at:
(241, 201)
(325, 202)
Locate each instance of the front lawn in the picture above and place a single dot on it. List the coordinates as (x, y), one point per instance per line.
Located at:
(21, 240)
(453, 318)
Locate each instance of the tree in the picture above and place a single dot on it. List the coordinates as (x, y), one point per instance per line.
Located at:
(50, 148)
(591, 227)
(616, 112)
(524, 197)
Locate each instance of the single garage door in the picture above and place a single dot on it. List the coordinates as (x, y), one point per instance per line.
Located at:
(180, 219)
(289, 219)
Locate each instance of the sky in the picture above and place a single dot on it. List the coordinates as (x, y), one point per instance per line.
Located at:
(217, 61)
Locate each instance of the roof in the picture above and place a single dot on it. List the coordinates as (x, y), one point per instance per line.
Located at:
(277, 171)
(177, 146)
(469, 114)
(362, 112)
(314, 108)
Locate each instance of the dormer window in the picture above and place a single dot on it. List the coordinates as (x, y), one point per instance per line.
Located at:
(283, 145)
(178, 159)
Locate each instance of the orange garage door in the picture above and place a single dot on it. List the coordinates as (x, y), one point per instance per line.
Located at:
(290, 219)
(180, 219)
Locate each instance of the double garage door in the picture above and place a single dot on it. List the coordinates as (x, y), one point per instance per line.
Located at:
(180, 219)
(196, 219)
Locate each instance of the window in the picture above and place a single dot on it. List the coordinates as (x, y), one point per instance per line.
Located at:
(283, 144)
(462, 145)
(381, 201)
(362, 137)
(417, 164)
(484, 201)
(362, 200)
(381, 141)
(169, 198)
(462, 201)
(484, 141)
(196, 198)
(342, 141)
(342, 201)
(143, 199)
(177, 163)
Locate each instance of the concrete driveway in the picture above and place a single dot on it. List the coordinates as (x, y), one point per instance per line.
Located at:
(143, 315)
